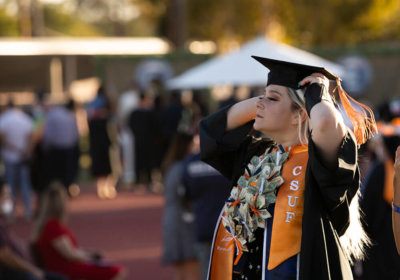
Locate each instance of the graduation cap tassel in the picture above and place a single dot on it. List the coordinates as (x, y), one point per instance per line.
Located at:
(361, 116)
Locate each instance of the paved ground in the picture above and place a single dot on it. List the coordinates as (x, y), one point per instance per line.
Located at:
(126, 229)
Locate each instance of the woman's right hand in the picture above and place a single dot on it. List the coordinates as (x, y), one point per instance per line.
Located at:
(241, 113)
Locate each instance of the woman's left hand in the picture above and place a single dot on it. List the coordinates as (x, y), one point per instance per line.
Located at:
(315, 78)
(326, 123)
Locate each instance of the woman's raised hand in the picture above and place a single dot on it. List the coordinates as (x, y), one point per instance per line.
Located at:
(315, 78)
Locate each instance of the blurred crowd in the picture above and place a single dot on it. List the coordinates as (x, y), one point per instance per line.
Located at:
(147, 141)
(45, 149)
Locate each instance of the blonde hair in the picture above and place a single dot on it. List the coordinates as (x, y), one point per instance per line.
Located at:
(53, 205)
(299, 103)
(354, 240)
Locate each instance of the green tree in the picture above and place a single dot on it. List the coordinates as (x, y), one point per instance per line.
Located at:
(310, 22)
(8, 24)
(300, 22)
(121, 17)
(59, 22)
(237, 19)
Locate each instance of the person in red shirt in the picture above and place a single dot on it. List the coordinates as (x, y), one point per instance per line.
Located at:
(14, 262)
(58, 248)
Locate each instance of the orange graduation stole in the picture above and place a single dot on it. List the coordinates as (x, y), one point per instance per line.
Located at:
(288, 215)
(287, 225)
(222, 254)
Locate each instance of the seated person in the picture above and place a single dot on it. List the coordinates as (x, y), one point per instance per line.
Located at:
(14, 265)
(58, 248)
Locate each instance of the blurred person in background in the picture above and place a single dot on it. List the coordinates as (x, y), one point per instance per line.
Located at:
(145, 129)
(57, 246)
(170, 116)
(103, 137)
(207, 189)
(60, 144)
(178, 231)
(16, 130)
(37, 159)
(14, 263)
(382, 260)
(127, 102)
(200, 99)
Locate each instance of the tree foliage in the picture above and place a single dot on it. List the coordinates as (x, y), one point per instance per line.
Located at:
(121, 17)
(303, 22)
(237, 19)
(8, 24)
(59, 22)
(309, 22)
(300, 22)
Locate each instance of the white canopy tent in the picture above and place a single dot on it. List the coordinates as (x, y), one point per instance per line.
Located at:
(238, 68)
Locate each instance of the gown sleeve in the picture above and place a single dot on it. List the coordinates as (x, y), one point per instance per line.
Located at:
(223, 149)
(337, 186)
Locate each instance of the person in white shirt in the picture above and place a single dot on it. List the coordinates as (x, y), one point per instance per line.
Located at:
(60, 143)
(127, 102)
(16, 130)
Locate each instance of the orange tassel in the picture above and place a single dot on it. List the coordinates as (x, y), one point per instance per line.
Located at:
(363, 120)
(239, 248)
(239, 253)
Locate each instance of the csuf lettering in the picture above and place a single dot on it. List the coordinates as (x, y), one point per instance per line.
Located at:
(293, 198)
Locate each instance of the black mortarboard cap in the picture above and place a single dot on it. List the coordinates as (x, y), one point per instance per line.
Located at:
(289, 74)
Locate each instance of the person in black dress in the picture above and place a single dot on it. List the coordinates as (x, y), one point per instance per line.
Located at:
(101, 133)
(145, 129)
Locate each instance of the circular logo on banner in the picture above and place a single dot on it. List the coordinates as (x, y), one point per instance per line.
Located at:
(358, 73)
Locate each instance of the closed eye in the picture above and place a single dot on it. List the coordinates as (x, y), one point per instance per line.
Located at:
(272, 99)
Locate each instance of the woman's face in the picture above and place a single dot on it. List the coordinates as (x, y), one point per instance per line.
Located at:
(274, 115)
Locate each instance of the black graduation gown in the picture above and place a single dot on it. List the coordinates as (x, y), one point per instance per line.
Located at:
(382, 260)
(328, 193)
(144, 126)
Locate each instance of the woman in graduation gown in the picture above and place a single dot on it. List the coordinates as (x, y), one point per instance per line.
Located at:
(292, 211)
